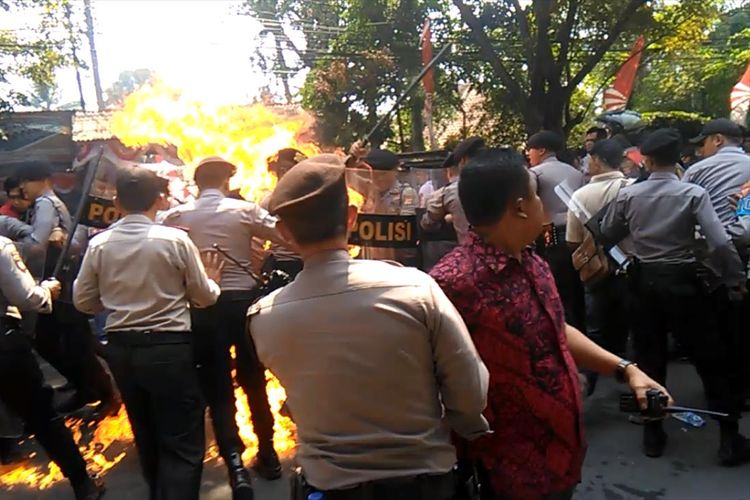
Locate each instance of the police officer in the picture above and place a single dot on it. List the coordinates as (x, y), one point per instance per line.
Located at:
(22, 386)
(214, 219)
(391, 197)
(661, 215)
(550, 172)
(443, 205)
(64, 337)
(149, 276)
(372, 355)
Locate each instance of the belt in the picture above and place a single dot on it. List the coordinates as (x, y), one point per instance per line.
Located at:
(236, 295)
(145, 337)
(425, 486)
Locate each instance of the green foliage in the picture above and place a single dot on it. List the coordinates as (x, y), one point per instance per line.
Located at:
(127, 82)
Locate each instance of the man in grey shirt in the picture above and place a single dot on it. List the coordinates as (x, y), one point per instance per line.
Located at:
(377, 364)
(667, 295)
(549, 173)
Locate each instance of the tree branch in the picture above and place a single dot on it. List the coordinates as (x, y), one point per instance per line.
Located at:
(523, 28)
(491, 55)
(614, 33)
(565, 34)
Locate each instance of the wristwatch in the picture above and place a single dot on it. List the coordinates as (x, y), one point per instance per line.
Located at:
(620, 370)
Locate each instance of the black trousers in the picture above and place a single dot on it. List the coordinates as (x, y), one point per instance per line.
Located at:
(670, 298)
(216, 329)
(23, 390)
(607, 314)
(568, 282)
(159, 386)
(65, 340)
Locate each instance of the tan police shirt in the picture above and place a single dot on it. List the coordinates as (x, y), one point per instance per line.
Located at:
(377, 365)
(232, 224)
(18, 290)
(146, 274)
(442, 202)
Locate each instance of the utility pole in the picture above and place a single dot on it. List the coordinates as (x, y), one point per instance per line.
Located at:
(94, 58)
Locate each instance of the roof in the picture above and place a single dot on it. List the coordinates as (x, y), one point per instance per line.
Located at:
(92, 126)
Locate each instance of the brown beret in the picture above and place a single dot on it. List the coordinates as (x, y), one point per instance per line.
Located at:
(309, 181)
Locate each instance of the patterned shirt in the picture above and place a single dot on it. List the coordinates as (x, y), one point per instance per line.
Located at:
(515, 317)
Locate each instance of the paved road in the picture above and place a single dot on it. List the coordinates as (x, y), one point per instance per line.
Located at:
(615, 469)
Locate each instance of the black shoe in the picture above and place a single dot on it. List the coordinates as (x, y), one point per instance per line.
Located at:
(734, 450)
(239, 478)
(71, 403)
(654, 439)
(266, 464)
(108, 408)
(91, 488)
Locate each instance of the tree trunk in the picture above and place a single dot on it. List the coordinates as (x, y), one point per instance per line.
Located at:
(417, 123)
(283, 69)
(94, 58)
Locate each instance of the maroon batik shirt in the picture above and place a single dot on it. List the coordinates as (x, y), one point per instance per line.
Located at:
(515, 317)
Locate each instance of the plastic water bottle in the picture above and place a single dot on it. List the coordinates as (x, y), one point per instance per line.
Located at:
(743, 206)
(315, 495)
(690, 418)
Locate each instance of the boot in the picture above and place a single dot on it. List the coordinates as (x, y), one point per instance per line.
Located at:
(90, 488)
(239, 479)
(266, 464)
(734, 448)
(654, 439)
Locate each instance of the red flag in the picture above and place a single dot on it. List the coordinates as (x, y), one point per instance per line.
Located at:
(739, 99)
(429, 78)
(616, 97)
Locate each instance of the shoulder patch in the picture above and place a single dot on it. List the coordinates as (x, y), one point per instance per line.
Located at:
(18, 260)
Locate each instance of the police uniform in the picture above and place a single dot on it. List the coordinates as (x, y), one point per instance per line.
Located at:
(374, 359)
(22, 386)
(661, 214)
(551, 246)
(149, 276)
(64, 337)
(232, 225)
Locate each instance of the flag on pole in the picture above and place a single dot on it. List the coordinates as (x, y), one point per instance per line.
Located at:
(616, 97)
(739, 99)
(429, 78)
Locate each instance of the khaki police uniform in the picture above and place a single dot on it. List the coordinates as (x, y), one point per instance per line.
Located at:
(149, 276)
(22, 385)
(376, 362)
(232, 224)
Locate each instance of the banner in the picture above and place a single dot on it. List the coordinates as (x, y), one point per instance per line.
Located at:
(739, 99)
(616, 97)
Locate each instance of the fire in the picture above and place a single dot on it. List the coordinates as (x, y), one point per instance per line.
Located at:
(245, 135)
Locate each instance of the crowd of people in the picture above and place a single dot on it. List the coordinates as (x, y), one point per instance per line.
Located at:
(464, 383)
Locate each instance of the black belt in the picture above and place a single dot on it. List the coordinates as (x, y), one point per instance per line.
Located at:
(425, 486)
(133, 337)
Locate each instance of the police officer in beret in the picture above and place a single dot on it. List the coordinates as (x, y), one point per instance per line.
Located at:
(64, 337)
(374, 358)
(543, 148)
(214, 219)
(661, 215)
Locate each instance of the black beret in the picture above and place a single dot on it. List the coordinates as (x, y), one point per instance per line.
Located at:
(665, 141)
(546, 139)
(216, 163)
(382, 159)
(141, 180)
(287, 157)
(34, 171)
(308, 181)
(450, 161)
(723, 126)
(468, 148)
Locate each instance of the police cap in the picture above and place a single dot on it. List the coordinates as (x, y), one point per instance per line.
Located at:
(468, 148)
(308, 184)
(34, 171)
(723, 126)
(382, 159)
(216, 164)
(546, 139)
(287, 157)
(665, 143)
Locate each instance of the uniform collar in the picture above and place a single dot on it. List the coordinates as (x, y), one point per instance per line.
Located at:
(135, 219)
(212, 193)
(491, 256)
(607, 176)
(326, 257)
(660, 176)
(549, 159)
(730, 149)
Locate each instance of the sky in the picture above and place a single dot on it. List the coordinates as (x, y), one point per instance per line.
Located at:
(201, 46)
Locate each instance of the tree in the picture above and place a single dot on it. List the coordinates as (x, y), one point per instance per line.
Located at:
(45, 96)
(534, 59)
(127, 83)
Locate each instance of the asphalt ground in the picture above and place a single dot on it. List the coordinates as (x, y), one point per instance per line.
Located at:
(615, 468)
